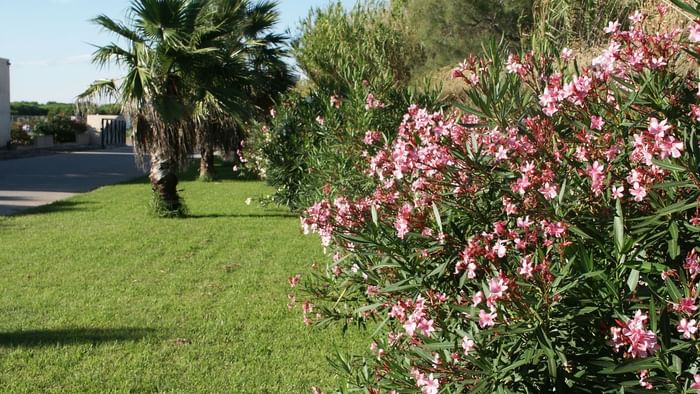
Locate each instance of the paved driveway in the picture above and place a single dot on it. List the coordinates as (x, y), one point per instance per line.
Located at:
(41, 180)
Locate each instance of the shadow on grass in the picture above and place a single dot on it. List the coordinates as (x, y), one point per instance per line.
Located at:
(72, 336)
(56, 206)
(261, 216)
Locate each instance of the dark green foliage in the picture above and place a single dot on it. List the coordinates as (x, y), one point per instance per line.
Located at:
(19, 136)
(305, 156)
(449, 30)
(32, 108)
(369, 41)
(62, 129)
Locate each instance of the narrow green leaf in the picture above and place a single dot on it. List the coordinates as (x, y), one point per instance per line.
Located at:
(632, 280)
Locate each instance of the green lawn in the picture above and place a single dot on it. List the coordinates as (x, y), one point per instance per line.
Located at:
(97, 296)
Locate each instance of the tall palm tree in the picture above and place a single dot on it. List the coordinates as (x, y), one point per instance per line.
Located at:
(179, 56)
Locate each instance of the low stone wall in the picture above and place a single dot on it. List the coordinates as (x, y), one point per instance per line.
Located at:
(43, 141)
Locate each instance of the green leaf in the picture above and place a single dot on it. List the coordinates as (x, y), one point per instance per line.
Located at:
(672, 290)
(634, 365)
(618, 228)
(632, 280)
(438, 220)
(673, 248)
(375, 217)
(668, 165)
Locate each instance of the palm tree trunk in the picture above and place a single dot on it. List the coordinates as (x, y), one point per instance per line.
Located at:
(206, 163)
(164, 184)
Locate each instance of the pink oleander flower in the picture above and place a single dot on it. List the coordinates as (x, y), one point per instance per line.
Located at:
(371, 137)
(567, 54)
(617, 192)
(643, 375)
(467, 345)
(336, 101)
(526, 268)
(687, 327)
(694, 32)
(487, 319)
(549, 191)
(430, 385)
(637, 17)
(497, 287)
(320, 120)
(696, 382)
(477, 298)
(638, 192)
(658, 129)
(597, 122)
(426, 327)
(372, 103)
(633, 335)
(685, 305)
(613, 27)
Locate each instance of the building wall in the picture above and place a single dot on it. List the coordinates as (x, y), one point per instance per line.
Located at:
(4, 102)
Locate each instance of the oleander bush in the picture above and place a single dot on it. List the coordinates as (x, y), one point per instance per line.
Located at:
(543, 237)
(62, 128)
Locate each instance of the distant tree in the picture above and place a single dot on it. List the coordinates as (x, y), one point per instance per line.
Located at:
(449, 30)
(369, 42)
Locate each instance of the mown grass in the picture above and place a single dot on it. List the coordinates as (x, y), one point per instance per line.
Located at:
(98, 296)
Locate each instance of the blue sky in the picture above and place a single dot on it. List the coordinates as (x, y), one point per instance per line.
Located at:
(49, 42)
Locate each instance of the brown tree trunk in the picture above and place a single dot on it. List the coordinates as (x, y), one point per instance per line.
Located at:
(164, 184)
(206, 163)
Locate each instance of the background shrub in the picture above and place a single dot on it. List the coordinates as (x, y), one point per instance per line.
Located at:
(63, 129)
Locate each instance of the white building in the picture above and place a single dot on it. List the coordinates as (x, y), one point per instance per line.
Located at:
(4, 102)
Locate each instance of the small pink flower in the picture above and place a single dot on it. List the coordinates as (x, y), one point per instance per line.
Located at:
(486, 319)
(426, 327)
(696, 383)
(638, 191)
(549, 191)
(658, 129)
(637, 17)
(320, 120)
(526, 267)
(567, 54)
(477, 298)
(694, 32)
(597, 122)
(430, 385)
(467, 345)
(335, 101)
(617, 192)
(687, 328)
(372, 103)
(613, 27)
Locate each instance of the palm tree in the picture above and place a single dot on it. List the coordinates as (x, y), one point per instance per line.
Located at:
(248, 34)
(180, 57)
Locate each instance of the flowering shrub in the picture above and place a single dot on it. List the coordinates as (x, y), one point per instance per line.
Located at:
(316, 141)
(545, 237)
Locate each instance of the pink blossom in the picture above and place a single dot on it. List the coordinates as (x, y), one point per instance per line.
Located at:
(694, 32)
(320, 120)
(335, 101)
(477, 298)
(486, 319)
(426, 327)
(643, 375)
(613, 27)
(467, 345)
(430, 385)
(617, 192)
(696, 383)
(658, 129)
(372, 103)
(497, 287)
(637, 17)
(632, 334)
(526, 267)
(638, 191)
(567, 54)
(687, 328)
(597, 122)
(371, 137)
(549, 191)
